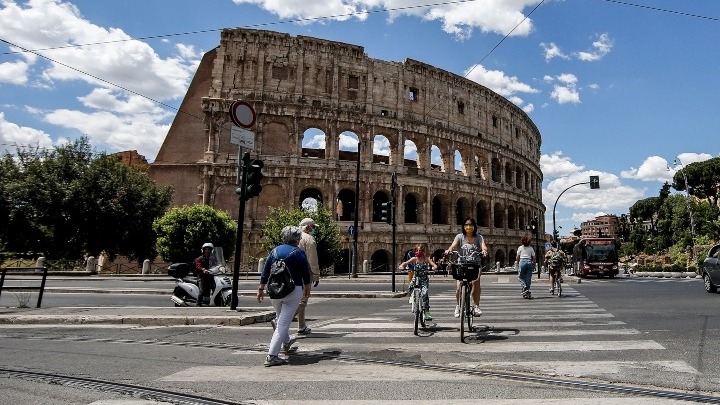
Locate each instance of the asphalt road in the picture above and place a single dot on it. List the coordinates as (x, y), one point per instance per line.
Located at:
(635, 332)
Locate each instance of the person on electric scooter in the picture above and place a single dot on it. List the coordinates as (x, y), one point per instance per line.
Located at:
(203, 264)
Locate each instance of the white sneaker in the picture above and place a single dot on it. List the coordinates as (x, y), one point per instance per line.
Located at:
(457, 311)
(477, 311)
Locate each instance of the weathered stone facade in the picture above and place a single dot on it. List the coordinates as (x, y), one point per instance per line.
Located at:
(302, 87)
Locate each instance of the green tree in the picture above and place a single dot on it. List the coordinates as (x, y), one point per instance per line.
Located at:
(183, 230)
(645, 209)
(69, 201)
(327, 233)
(702, 179)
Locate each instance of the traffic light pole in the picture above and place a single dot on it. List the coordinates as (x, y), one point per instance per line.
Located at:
(393, 183)
(242, 175)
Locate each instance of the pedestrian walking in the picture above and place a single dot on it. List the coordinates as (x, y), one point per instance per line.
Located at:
(296, 261)
(526, 258)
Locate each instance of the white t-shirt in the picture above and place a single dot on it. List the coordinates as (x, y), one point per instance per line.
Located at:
(526, 252)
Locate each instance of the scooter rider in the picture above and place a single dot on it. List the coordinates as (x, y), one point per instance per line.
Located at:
(203, 264)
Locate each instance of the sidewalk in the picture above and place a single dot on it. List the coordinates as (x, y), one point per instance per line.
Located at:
(174, 316)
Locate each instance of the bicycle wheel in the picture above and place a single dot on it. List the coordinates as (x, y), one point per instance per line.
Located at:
(463, 311)
(469, 309)
(418, 309)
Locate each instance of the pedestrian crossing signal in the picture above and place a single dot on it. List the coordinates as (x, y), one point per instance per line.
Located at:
(386, 212)
(594, 182)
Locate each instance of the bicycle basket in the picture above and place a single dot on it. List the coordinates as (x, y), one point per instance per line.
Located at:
(465, 271)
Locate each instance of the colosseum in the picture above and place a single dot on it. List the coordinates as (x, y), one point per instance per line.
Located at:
(457, 148)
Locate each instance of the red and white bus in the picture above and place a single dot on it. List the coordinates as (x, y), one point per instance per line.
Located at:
(596, 256)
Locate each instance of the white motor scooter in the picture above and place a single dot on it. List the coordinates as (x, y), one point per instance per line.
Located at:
(187, 288)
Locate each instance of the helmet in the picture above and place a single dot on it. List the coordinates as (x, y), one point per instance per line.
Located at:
(207, 245)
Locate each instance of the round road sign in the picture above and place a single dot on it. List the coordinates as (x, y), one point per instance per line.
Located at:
(242, 114)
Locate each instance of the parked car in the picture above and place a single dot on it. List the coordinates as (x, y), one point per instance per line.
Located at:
(711, 269)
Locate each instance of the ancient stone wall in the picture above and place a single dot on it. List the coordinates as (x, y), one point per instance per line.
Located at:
(458, 148)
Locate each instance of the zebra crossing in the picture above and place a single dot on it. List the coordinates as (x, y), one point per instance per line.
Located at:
(568, 336)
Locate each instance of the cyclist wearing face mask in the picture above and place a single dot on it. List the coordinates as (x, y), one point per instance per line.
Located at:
(421, 260)
(474, 244)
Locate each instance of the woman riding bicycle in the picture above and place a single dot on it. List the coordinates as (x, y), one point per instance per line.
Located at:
(473, 244)
(420, 260)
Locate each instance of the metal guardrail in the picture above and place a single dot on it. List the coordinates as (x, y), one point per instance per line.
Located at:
(26, 271)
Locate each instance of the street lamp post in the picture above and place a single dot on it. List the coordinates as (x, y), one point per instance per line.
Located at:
(594, 183)
(689, 208)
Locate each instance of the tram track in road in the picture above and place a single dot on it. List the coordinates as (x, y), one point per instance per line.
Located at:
(181, 398)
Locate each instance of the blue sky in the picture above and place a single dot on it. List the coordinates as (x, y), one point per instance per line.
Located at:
(618, 89)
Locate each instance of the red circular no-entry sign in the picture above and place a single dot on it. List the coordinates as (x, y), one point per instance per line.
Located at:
(242, 114)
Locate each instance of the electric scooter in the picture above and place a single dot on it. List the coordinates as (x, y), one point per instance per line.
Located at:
(187, 288)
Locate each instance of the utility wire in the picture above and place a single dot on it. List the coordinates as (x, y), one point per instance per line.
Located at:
(267, 24)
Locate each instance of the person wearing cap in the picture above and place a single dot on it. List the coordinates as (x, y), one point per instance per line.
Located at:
(206, 281)
(309, 246)
(285, 307)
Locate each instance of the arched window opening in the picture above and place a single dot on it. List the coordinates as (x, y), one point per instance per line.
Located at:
(410, 154)
(499, 216)
(437, 211)
(380, 261)
(347, 203)
(310, 199)
(436, 161)
(348, 146)
(411, 209)
(482, 214)
(313, 143)
(496, 175)
(381, 150)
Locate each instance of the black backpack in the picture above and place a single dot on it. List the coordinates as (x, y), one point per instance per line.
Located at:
(280, 282)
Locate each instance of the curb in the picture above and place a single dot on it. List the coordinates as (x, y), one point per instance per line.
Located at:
(140, 320)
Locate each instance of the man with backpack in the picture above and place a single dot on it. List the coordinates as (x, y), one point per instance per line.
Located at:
(555, 260)
(285, 257)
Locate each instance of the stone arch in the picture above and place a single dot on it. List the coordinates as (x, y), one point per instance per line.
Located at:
(463, 209)
(412, 208)
(310, 194)
(314, 142)
(378, 198)
(348, 146)
(496, 170)
(511, 220)
(527, 181)
(508, 174)
(382, 150)
(410, 154)
(347, 198)
(380, 261)
(439, 210)
(276, 139)
(521, 219)
(500, 257)
(518, 178)
(498, 216)
(481, 167)
(512, 255)
(482, 214)
(436, 159)
(458, 163)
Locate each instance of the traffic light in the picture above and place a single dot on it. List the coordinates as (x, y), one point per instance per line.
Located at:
(252, 181)
(594, 182)
(386, 212)
(534, 226)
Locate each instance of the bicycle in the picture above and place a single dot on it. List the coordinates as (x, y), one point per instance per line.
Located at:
(417, 304)
(465, 272)
(557, 283)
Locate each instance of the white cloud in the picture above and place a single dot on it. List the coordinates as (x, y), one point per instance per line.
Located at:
(410, 150)
(610, 196)
(601, 47)
(557, 165)
(656, 168)
(14, 72)
(12, 135)
(348, 142)
(567, 91)
(381, 146)
(121, 119)
(500, 83)
(551, 51)
(459, 19)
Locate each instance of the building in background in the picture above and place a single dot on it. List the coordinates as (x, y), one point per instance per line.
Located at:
(458, 148)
